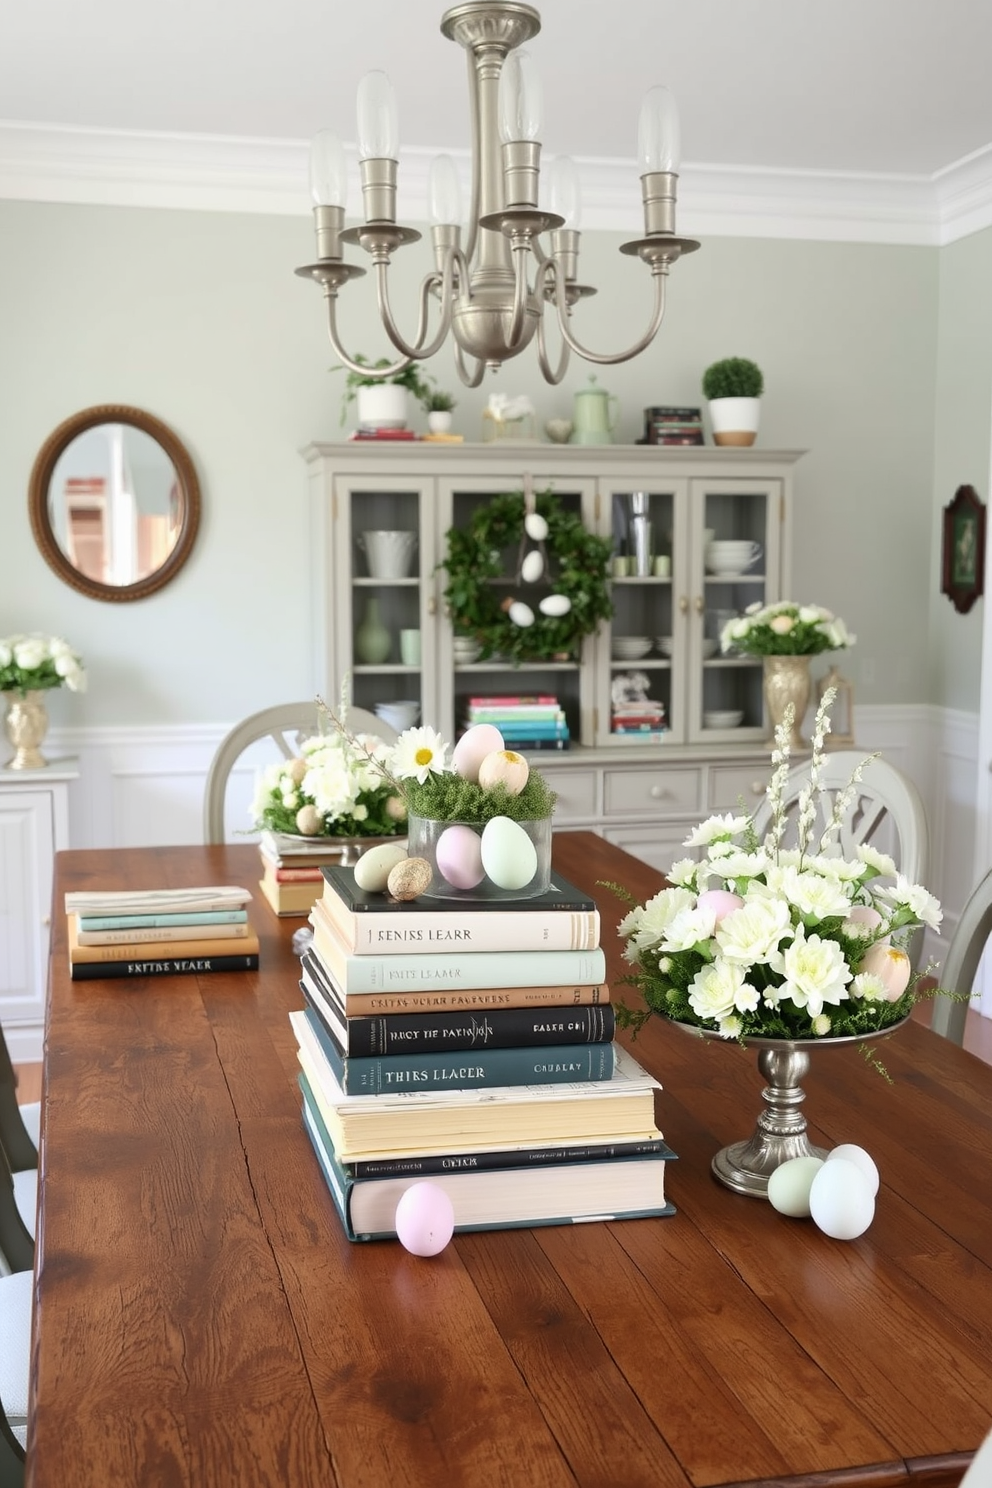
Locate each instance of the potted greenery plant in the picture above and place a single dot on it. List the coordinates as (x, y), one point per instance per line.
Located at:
(383, 403)
(732, 388)
(438, 406)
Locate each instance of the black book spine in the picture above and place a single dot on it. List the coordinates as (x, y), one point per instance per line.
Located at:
(81, 971)
(403, 1167)
(504, 1028)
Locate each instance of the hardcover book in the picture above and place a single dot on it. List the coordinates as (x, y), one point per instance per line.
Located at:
(461, 1069)
(161, 932)
(436, 979)
(160, 950)
(497, 1198)
(414, 1033)
(156, 901)
(437, 1121)
(291, 898)
(561, 919)
(80, 971)
(165, 921)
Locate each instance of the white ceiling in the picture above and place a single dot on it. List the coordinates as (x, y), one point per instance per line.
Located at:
(772, 93)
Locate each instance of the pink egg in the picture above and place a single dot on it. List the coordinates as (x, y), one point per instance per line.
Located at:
(892, 966)
(473, 746)
(425, 1220)
(720, 901)
(458, 855)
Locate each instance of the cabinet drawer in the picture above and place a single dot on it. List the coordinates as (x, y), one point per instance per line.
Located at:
(576, 791)
(729, 784)
(657, 790)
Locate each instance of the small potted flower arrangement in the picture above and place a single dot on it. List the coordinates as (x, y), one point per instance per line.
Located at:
(786, 635)
(438, 406)
(383, 402)
(29, 666)
(336, 787)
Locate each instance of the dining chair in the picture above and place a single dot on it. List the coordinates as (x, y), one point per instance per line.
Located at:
(286, 725)
(886, 812)
(19, 1136)
(961, 962)
(16, 1306)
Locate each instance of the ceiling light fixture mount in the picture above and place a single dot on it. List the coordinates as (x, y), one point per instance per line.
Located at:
(496, 294)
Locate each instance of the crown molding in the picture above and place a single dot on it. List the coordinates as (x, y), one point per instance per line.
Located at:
(102, 167)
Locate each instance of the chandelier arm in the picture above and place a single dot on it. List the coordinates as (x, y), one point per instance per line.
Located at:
(473, 113)
(521, 254)
(470, 379)
(379, 373)
(603, 359)
(548, 270)
(418, 350)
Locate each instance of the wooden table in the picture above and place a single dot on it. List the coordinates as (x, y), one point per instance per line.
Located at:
(202, 1319)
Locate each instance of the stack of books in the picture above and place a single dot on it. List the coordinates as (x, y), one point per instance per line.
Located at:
(292, 876)
(470, 1043)
(160, 932)
(672, 426)
(645, 718)
(526, 723)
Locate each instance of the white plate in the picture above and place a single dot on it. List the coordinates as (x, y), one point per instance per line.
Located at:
(723, 718)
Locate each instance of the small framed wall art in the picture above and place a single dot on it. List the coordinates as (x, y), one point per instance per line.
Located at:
(963, 552)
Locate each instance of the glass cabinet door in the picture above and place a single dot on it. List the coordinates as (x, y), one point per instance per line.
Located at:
(383, 615)
(736, 544)
(646, 646)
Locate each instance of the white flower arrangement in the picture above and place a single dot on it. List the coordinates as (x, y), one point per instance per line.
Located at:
(34, 663)
(338, 786)
(785, 629)
(755, 939)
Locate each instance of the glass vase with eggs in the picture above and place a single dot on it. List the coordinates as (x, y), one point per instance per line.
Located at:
(483, 820)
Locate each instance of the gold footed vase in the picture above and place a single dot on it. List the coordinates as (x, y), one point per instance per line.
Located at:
(25, 725)
(786, 681)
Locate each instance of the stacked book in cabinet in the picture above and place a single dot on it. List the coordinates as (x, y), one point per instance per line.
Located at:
(469, 1042)
(696, 535)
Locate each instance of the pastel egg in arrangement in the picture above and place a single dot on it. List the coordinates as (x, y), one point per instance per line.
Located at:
(425, 1219)
(504, 767)
(790, 1183)
(508, 855)
(473, 746)
(458, 855)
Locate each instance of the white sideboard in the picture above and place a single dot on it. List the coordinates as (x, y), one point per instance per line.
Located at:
(34, 826)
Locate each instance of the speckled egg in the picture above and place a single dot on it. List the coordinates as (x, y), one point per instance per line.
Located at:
(409, 879)
(458, 855)
(504, 767)
(472, 748)
(508, 855)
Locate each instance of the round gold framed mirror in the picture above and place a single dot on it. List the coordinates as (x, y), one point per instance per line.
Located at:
(114, 503)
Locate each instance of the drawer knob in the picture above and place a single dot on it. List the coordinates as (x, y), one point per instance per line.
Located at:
(658, 792)
(758, 787)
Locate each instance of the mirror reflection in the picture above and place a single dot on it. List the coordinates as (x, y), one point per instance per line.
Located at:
(114, 503)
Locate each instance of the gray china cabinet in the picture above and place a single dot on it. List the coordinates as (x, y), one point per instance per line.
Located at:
(661, 510)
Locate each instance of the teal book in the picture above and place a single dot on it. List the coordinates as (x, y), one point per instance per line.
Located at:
(495, 1199)
(163, 921)
(464, 1069)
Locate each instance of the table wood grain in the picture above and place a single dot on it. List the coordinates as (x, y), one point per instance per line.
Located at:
(202, 1320)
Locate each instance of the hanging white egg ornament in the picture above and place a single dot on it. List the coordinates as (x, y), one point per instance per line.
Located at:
(532, 567)
(504, 767)
(425, 1219)
(535, 526)
(521, 614)
(861, 1159)
(790, 1183)
(473, 746)
(508, 855)
(841, 1201)
(555, 605)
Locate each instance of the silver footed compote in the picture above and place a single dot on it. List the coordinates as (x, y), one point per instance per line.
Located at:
(780, 1131)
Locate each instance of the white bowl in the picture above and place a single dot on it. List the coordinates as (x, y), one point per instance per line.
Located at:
(665, 644)
(399, 715)
(709, 647)
(631, 648)
(723, 718)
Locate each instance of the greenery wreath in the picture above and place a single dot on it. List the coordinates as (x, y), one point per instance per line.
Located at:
(479, 593)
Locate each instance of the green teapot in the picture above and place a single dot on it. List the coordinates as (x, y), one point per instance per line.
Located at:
(595, 415)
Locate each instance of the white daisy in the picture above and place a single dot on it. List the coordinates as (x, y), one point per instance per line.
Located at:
(419, 752)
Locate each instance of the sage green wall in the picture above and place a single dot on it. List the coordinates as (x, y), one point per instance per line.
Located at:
(962, 455)
(198, 318)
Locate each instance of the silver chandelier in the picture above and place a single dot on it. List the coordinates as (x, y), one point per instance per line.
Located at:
(494, 294)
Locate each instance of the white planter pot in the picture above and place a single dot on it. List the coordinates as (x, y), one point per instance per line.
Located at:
(382, 407)
(440, 421)
(734, 420)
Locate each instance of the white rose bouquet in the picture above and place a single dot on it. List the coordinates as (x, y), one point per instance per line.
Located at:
(785, 629)
(336, 787)
(34, 663)
(754, 938)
